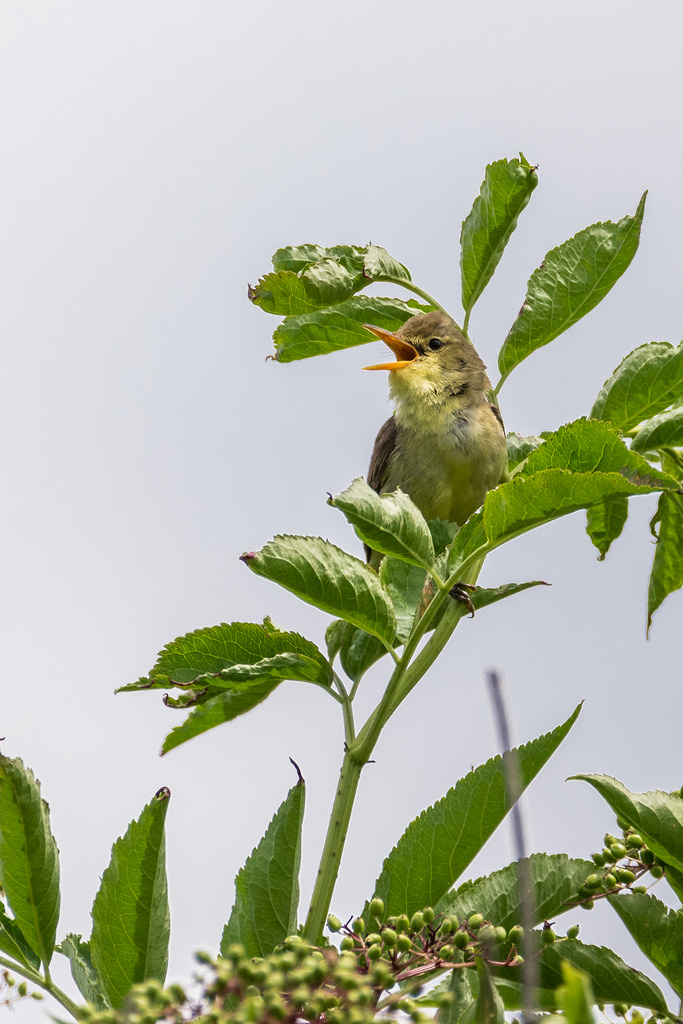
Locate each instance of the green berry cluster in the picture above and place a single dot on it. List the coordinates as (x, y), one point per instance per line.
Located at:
(621, 863)
(12, 992)
(146, 1003)
(415, 947)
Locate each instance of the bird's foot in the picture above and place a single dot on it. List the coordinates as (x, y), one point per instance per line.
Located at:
(459, 593)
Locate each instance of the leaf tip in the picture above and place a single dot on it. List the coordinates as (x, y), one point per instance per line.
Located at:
(247, 557)
(162, 794)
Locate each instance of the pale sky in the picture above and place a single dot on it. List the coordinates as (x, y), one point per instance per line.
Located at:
(155, 155)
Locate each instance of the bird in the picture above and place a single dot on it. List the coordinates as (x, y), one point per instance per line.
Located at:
(445, 444)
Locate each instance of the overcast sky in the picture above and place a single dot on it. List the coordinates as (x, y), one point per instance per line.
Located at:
(155, 155)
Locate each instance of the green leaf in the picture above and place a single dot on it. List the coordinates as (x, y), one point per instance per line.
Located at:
(340, 326)
(525, 503)
(587, 446)
(575, 996)
(571, 281)
(487, 229)
(484, 596)
(405, 584)
(604, 522)
(211, 651)
(656, 816)
(662, 431)
(520, 448)
(325, 576)
(29, 860)
(219, 709)
(13, 942)
(439, 844)
(611, 979)
(657, 930)
(488, 1008)
(645, 383)
(357, 649)
(675, 879)
(469, 538)
(463, 997)
(298, 257)
(267, 887)
(319, 285)
(82, 970)
(389, 523)
(554, 880)
(666, 574)
(131, 923)
(379, 265)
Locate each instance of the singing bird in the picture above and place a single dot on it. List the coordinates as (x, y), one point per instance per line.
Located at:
(444, 446)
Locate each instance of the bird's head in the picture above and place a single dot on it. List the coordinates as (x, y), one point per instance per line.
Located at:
(434, 362)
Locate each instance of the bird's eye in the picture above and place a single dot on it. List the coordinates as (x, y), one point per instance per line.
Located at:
(435, 344)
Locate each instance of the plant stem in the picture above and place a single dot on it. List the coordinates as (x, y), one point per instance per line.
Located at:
(429, 299)
(45, 983)
(332, 850)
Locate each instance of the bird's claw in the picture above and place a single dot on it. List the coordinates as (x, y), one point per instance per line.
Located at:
(459, 593)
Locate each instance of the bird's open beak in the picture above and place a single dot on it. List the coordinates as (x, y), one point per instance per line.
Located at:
(405, 353)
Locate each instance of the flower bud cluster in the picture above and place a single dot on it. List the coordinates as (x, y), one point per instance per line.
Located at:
(620, 862)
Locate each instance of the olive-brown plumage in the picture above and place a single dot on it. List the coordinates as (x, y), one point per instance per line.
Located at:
(445, 443)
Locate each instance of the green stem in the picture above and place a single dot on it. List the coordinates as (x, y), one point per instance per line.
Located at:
(332, 850)
(429, 299)
(45, 983)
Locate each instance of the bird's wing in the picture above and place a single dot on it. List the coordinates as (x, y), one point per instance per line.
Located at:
(385, 442)
(497, 414)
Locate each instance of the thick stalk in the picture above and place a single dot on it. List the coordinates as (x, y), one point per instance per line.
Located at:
(332, 850)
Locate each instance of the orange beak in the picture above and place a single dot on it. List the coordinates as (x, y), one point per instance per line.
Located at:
(404, 352)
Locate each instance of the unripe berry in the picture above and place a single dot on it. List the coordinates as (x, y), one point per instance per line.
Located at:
(402, 923)
(598, 859)
(358, 925)
(620, 1009)
(446, 952)
(461, 939)
(588, 904)
(637, 1017)
(640, 889)
(516, 934)
(634, 841)
(487, 935)
(609, 839)
(501, 935)
(428, 914)
(618, 850)
(593, 881)
(417, 922)
(610, 880)
(403, 943)
(374, 952)
(348, 942)
(624, 875)
(389, 937)
(573, 932)
(446, 927)
(373, 939)
(657, 871)
(547, 936)
(377, 907)
(475, 921)
(647, 857)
